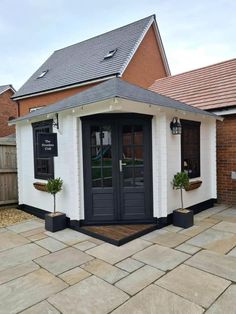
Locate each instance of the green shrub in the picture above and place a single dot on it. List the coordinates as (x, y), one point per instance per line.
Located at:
(180, 182)
(54, 186)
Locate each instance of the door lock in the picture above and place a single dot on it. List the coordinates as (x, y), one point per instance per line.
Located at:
(121, 165)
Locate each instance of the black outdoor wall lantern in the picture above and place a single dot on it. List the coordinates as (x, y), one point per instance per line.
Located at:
(176, 126)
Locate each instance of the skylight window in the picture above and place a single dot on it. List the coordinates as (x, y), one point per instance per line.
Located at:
(43, 74)
(110, 54)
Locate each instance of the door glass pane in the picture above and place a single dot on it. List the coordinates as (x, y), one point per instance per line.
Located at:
(127, 134)
(139, 176)
(128, 155)
(138, 155)
(96, 177)
(107, 177)
(128, 176)
(101, 156)
(138, 134)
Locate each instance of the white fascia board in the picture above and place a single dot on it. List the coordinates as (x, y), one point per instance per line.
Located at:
(224, 112)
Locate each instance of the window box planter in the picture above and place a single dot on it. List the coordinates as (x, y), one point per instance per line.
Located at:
(40, 186)
(55, 222)
(193, 185)
(183, 218)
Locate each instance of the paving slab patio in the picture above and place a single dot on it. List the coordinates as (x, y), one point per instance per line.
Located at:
(154, 299)
(20, 255)
(161, 257)
(114, 254)
(41, 308)
(63, 260)
(104, 270)
(25, 291)
(91, 295)
(226, 302)
(51, 244)
(215, 263)
(139, 279)
(188, 282)
(9, 239)
(171, 270)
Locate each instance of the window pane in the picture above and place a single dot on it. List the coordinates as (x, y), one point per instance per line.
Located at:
(127, 176)
(96, 177)
(139, 176)
(138, 134)
(107, 177)
(95, 136)
(138, 155)
(127, 134)
(190, 141)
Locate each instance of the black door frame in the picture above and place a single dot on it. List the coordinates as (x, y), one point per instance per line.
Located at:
(116, 120)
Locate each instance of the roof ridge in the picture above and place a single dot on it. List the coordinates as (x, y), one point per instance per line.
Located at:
(121, 27)
(194, 70)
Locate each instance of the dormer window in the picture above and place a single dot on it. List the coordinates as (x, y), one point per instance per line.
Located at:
(110, 54)
(42, 74)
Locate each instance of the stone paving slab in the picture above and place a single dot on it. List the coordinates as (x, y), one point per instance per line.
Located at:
(74, 275)
(232, 252)
(225, 226)
(63, 260)
(139, 279)
(38, 236)
(17, 271)
(20, 255)
(51, 244)
(91, 295)
(114, 254)
(169, 239)
(195, 230)
(68, 236)
(10, 240)
(104, 270)
(193, 284)
(211, 239)
(33, 232)
(26, 226)
(83, 246)
(226, 302)
(161, 257)
(41, 308)
(188, 248)
(28, 290)
(214, 263)
(154, 299)
(129, 264)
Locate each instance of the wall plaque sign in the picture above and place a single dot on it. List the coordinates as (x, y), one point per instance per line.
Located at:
(47, 145)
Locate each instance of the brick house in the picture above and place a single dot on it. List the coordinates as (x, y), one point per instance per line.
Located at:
(8, 108)
(212, 88)
(134, 53)
(116, 151)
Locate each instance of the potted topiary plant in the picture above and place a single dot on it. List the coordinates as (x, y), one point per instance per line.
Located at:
(54, 221)
(182, 217)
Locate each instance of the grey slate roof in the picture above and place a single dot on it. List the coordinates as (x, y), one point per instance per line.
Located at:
(109, 89)
(84, 61)
(5, 87)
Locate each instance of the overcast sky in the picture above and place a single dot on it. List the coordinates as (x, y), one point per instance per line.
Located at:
(194, 33)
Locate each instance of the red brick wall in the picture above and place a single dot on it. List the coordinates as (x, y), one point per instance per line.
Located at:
(226, 159)
(146, 65)
(8, 108)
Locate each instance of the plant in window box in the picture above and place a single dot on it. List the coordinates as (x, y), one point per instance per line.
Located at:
(54, 221)
(182, 217)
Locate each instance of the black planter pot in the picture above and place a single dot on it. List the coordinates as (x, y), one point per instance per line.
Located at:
(183, 219)
(55, 222)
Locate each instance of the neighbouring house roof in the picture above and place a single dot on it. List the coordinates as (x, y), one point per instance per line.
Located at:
(84, 61)
(108, 90)
(211, 87)
(4, 88)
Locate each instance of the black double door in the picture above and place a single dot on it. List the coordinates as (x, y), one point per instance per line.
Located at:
(117, 168)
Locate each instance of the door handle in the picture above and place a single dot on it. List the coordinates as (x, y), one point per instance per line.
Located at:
(121, 165)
